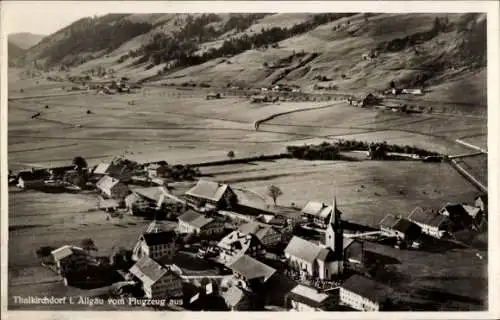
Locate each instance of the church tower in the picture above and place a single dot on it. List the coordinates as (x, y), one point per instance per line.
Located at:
(334, 235)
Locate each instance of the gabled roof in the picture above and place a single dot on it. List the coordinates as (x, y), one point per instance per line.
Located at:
(400, 224)
(426, 217)
(367, 288)
(65, 251)
(250, 268)
(101, 168)
(483, 197)
(151, 193)
(257, 229)
(195, 219)
(303, 249)
(208, 190)
(107, 183)
(131, 199)
(148, 270)
(157, 238)
(389, 221)
(317, 209)
(309, 296)
(455, 209)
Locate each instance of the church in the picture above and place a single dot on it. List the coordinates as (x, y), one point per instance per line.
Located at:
(328, 260)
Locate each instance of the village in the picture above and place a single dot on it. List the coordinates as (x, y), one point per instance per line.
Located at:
(220, 253)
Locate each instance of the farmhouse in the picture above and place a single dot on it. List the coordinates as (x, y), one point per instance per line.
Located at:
(267, 234)
(317, 213)
(156, 196)
(212, 195)
(250, 272)
(433, 224)
(155, 245)
(69, 257)
(198, 224)
(370, 100)
(303, 299)
(213, 95)
(237, 244)
(112, 188)
(401, 228)
(364, 294)
(32, 179)
(458, 215)
(157, 281)
(114, 169)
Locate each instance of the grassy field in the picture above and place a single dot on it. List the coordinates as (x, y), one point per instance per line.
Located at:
(181, 126)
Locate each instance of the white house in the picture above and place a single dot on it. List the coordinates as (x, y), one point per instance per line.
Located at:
(155, 245)
(363, 294)
(238, 244)
(317, 213)
(67, 257)
(157, 281)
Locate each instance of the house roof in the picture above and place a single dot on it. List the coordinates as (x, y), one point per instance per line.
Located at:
(157, 238)
(317, 209)
(233, 296)
(107, 183)
(257, 229)
(367, 288)
(239, 241)
(389, 221)
(405, 226)
(148, 271)
(131, 199)
(65, 251)
(308, 296)
(151, 193)
(250, 268)
(112, 169)
(422, 216)
(208, 190)
(195, 219)
(101, 168)
(303, 249)
(483, 198)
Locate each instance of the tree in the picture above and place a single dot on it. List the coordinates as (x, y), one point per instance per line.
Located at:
(231, 154)
(45, 254)
(393, 84)
(79, 162)
(88, 245)
(274, 192)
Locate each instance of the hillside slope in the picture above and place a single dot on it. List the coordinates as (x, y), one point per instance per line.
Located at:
(348, 53)
(14, 51)
(25, 40)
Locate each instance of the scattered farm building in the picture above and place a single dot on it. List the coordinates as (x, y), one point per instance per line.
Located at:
(113, 169)
(155, 245)
(69, 257)
(193, 222)
(236, 244)
(412, 91)
(303, 299)
(112, 188)
(213, 95)
(32, 178)
(401, 228)
(364, 294)
(157, 281)
(432, 223)
(211, 195)
(458, 215)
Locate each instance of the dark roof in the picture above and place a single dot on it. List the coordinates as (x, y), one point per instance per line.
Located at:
(250, 268)
(405, 226)
(195, 219)
(455, 210)
(34, 174)
(157, 238)
(367, 288)
(483, 197)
